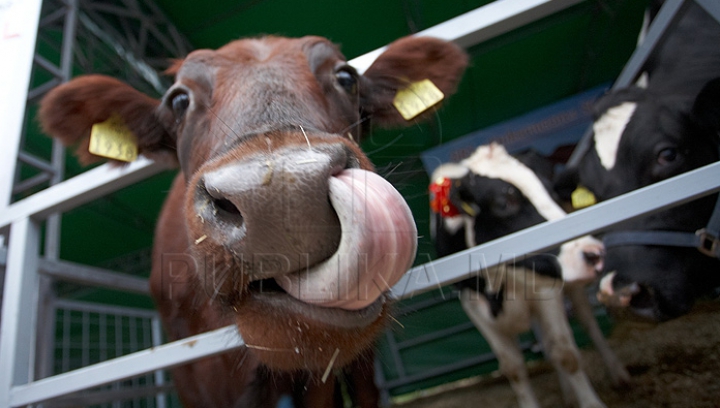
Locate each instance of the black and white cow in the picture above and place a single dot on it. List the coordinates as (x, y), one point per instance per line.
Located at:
(491, 194)
(644, 135)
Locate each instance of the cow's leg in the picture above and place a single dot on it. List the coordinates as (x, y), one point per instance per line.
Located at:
(565, 386)
(583, 311)
(561, 349)
(504, 345)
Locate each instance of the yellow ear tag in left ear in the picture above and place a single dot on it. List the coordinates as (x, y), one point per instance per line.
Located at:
(582, 197)
(112, 139)
(417, 98)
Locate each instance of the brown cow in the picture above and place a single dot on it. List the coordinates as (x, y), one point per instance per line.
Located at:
(276, 222)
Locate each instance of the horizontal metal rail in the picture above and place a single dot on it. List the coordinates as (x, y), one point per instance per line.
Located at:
(166, 356)
(92, 276)
(657, 197)
(79, 190)
(481, 24)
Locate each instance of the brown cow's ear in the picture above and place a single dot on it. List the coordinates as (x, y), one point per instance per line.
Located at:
(69, 111)
(406, 61)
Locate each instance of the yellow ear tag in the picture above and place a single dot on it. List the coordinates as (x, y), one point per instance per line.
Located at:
(582, 197)
(112, 139)
(417, 98)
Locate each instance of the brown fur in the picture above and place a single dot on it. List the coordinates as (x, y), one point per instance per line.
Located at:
(248, 99)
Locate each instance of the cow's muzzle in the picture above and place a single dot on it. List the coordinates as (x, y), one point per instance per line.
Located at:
(327, 233)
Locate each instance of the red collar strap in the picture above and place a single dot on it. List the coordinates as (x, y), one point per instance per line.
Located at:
(440, 198)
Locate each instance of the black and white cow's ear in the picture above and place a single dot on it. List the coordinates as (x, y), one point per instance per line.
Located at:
(407, 61)
(706, 109)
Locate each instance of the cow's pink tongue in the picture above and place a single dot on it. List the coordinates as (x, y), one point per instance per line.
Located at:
(378, 245)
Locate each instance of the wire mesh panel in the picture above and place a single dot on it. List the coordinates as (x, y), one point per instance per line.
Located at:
(88, 333)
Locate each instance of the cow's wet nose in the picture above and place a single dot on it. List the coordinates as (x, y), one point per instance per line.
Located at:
(273, 211)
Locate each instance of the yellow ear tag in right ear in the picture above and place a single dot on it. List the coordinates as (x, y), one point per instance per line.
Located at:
(417, 98)
(112, 139)
(582, 197)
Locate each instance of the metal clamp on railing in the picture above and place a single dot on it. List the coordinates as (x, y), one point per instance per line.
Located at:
(708, 244)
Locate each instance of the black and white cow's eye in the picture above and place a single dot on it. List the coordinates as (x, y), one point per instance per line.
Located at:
(347, 79)
(180, 103)
(667, 156)
(506, 204)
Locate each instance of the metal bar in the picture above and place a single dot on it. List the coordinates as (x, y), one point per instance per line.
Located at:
(418, 306)
(668, 15)
(397, 359)
(33, 181)
(78, 190)
(712, 7)
(67, 322)
(48, 66)
(113, 10)
(41, 90)
(52, 17)
(182, 45)
(36, 162)
(93, 276)
(78, 306)
(68, 44)
(105, 396)
(45, 345)
(435, 335)
(481, 24)
(20, 24)
(159, 375)
(19, 308)
(85, 339)
(659, 196)
(169, 355)
(435, 371)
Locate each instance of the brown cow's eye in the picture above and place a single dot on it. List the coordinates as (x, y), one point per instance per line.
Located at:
(180, 103)
(667, 156)
(347, 79)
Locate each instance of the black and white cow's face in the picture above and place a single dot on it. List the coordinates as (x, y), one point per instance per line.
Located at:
(494, 194)
(639, 139)
(496, 207)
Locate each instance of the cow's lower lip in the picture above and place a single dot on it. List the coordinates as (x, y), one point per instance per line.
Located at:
(285, 304)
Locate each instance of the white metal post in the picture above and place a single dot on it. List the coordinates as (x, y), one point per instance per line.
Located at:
(18, 31)
(19, 308)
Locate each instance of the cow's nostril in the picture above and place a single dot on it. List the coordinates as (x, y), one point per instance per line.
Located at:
(226, 206)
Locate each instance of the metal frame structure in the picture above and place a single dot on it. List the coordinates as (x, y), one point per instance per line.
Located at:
(102, 331)
(19, 384)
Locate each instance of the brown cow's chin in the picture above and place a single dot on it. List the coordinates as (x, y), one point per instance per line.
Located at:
(305, 336)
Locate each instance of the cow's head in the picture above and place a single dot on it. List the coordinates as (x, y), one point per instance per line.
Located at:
(494, 194)
(640, 138)
(293, 234)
